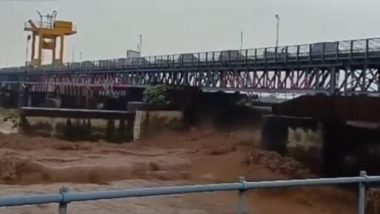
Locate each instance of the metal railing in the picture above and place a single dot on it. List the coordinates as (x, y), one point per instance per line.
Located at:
(64, 197)
(44, 24)
(353, 49)
(323, 51)
(39, 24)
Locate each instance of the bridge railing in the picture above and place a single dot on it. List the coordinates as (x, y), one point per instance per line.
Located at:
(64, 197)
(352, 49)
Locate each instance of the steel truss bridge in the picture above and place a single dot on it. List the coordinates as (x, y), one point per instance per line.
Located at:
(340, 68)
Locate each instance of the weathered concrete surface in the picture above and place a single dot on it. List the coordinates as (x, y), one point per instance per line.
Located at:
(300, 138)
(331, 148)
(150, 123)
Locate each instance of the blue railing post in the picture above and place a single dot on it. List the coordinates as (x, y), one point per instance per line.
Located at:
(362, 198)
(62, 207)
(242, 209)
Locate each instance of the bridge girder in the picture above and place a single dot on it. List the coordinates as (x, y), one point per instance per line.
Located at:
(351, 67)
(327, 80)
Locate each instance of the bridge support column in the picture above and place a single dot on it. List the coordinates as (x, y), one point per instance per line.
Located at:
(29, 102)
(121, 130)
(110, 130)
(333, 80)
(299, 138)
(140, 117)
(129, 128)
(25, 96)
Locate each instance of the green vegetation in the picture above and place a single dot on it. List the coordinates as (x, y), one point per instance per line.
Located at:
(156, 95)
(12, 116)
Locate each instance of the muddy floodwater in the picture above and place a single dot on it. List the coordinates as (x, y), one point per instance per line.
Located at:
(30, 165)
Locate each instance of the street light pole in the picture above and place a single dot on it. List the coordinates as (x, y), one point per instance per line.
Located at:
(27, 50)
(140, 43)
(73, 55)
(241, 40)
(278, 29)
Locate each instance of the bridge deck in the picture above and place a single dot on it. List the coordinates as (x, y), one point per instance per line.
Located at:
(304, 54)
(343, 67)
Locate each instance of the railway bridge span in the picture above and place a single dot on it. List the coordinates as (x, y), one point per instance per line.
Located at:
(333, 68)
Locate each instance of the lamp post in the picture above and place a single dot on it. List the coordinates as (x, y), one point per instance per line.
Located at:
(73, 55)
(139, 46)
(278, 29)
(241, 40)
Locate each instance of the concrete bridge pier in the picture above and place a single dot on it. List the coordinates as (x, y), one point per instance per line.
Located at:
(300, 138)
(335, 135)
(124, 130)
(110, 130)
(120, 130)
(80, 124)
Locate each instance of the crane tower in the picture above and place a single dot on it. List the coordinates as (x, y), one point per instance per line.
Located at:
(46, 33)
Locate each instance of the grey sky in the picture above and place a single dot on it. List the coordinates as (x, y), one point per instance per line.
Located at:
(106, 28)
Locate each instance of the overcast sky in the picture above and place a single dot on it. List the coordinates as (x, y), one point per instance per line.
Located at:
(106, 28)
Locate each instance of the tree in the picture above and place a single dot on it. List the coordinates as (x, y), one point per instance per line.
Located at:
(156, 95)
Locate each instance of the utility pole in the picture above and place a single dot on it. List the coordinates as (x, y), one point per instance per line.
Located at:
(140, 44)
(278, 29)
(241, 40)
(73, 55)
